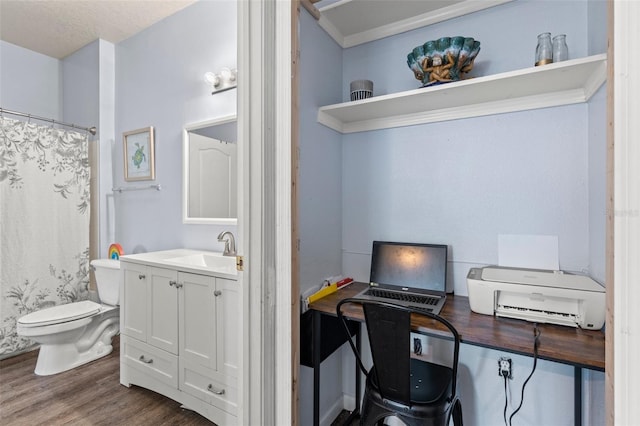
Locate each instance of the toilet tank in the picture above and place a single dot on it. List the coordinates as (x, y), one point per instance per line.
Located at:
(108, 280)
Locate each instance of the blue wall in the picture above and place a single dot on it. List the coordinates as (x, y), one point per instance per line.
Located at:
(320, 178)
(319, 195)
(81, 83)
(160, 83)
(465, 182)
(88, 98)
(30, 82)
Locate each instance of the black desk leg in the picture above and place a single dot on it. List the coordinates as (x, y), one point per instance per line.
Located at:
(577, 395)
(317, 341)
(359, 347)
(356, 411)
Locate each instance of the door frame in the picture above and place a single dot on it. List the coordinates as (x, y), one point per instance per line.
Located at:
(623, 216)
(264, 212)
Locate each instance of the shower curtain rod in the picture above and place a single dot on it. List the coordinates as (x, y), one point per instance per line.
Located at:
(91, 130)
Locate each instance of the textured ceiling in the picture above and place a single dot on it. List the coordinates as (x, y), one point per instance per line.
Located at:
(58, 28)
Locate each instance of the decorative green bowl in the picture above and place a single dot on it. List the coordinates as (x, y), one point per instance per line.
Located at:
(443, 60)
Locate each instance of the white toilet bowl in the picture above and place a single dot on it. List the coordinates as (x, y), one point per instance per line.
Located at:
(76, 333)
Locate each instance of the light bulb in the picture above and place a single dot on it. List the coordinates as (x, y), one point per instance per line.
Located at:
(212, 79)
(225, 73)
(224, 80)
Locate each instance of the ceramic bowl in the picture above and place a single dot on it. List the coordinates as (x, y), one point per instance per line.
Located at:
(443, 60)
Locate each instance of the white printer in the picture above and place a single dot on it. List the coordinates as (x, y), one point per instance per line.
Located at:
(537, 295)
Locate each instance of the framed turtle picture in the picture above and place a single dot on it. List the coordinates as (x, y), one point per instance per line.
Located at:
(139, 161)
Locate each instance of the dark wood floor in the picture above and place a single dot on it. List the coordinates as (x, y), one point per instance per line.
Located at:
(87, 395)
(342, 418)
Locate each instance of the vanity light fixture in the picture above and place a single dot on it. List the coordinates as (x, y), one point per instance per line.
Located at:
(224, 80)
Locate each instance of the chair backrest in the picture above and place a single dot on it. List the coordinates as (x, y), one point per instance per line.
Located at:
(389, 327)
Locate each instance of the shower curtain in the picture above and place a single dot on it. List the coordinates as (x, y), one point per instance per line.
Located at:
(44, 222)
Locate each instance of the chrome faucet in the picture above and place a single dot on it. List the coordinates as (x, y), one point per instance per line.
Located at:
(229, 243)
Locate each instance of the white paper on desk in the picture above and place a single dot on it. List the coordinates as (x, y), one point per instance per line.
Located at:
(528, 251)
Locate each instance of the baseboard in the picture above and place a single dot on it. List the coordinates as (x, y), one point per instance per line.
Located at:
(348, 402)
(334, 411)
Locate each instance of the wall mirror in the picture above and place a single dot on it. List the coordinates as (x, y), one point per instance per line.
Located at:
(210, 172)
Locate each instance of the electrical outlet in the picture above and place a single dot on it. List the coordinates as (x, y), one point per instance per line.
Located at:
(504, 367)
(419, 345)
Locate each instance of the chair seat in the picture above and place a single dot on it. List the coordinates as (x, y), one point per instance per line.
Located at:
(376, 406)
(430, 383)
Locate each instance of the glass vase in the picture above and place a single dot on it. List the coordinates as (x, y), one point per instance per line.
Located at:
(544, 51)
(560, 49)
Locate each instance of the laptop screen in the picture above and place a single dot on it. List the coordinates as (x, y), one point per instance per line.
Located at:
(414, 265)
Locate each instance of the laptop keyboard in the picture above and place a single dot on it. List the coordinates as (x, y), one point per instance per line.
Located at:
(414, 298)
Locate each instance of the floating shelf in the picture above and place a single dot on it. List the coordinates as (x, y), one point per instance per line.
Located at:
(353, 22)
(563, 83)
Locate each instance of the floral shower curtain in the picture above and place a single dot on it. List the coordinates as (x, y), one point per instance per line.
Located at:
(44, 222)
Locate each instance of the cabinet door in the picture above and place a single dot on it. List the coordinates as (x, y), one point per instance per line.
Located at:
(134, 301)
(162, 308)
(197, 320)
(229, 326)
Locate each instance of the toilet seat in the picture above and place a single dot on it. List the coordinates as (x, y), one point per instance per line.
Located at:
(60, 314)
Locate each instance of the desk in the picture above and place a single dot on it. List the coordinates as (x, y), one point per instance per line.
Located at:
(567, 345)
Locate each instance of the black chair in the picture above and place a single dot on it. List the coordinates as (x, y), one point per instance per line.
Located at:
(415, 391)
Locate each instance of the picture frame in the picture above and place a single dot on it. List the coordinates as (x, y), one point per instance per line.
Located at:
(139, 155)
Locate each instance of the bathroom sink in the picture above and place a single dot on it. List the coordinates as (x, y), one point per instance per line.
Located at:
(209, 261)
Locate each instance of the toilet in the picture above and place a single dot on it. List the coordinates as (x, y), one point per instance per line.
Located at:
(77, 333)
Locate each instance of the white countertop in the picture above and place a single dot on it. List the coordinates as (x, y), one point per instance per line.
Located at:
(187, 260)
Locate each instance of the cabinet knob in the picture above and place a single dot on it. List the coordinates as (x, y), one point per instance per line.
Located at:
(172, 283)
(210, 388)
(217, 293)
(146, 361)
(178, 285)
(142, 276)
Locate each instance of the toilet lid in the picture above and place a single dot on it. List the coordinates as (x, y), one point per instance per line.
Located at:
(60, 313)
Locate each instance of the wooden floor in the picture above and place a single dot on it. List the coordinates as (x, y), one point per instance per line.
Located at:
(87, 395)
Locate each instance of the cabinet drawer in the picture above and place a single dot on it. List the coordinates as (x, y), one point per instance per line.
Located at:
(198, 383)
(155, 362)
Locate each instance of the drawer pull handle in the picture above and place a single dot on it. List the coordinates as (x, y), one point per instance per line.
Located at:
(210, 388)
(142, 276)
(146, 361)
(172, 283)
(217, 293)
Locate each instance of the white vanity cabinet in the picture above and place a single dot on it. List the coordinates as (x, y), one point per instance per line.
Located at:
(151, 315)
(149, 327)
(209, 339)
(181, 332)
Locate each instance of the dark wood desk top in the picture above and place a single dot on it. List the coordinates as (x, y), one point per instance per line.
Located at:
(568, 345)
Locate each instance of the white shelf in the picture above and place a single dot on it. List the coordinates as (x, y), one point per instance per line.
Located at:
(353, 22)
(563, 83)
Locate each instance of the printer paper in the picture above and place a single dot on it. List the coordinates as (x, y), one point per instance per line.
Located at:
(528, 251)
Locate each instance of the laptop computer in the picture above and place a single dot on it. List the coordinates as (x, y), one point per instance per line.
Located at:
(408, 274)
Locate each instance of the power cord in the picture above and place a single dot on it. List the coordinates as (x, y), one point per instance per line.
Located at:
(506, 400)
(536, 343)
(504, 369)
